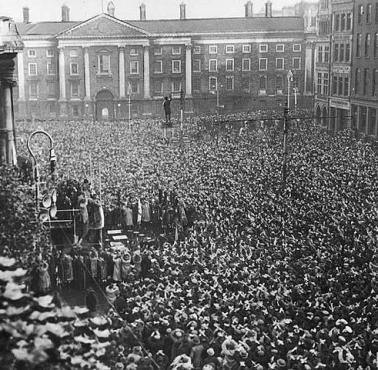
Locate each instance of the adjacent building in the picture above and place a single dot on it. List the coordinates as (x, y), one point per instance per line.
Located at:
(322, 61)
(364, 96)
(341, 61)
(346, 93)
(95, 67)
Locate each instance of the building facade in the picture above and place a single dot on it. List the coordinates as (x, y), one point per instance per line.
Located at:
(96, 67)
(365, 68)
(346, 94)
(341, 62)
(323, 62)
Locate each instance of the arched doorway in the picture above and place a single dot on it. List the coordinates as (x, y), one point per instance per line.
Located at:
(104, 105)
(324, 116)
(318, 115)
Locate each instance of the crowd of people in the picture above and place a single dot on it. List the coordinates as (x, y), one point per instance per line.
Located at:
(268, 276)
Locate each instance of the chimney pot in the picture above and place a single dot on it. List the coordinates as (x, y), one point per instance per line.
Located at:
(25, 13)
(65, 13)
(268, 9)
(182, 11)
(248, 9)
(142, 11)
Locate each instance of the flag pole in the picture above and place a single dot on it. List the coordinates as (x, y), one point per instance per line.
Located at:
(91, 168)
(100, 185)
(129, 103)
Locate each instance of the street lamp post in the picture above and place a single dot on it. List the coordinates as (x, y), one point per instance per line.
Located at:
(129, 103)
(289, 80)
(285, 151)
(295, 99)
(35, 164)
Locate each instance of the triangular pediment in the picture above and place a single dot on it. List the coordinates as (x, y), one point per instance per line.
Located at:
(103, 25)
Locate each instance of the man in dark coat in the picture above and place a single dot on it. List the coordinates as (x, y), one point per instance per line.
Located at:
(91, 300)
(145, 265)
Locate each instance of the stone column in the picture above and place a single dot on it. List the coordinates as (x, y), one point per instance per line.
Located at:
(146, 72)
(8, 149)
(87, 75)
(21, 76)
(188, 70)
(367, 121)
(62, 76)
(308, 69)
(121, 67)
(358, 125)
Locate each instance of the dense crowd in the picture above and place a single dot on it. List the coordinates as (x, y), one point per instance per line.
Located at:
(268, 277)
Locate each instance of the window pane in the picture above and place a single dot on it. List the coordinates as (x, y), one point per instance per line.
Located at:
(158, 66)
(263, 83)
(212, 83)
(196, 65)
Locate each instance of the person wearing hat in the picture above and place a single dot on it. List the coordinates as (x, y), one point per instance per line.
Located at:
(177, 337)
(162, 360)
(119, 366)
(91, 300)
(145, 264)
(84, 218)
(196, 351)
(211, 359)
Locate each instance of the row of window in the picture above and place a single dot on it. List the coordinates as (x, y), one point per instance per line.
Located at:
(340, 85)
(158, 85)
(361, 85)
(367, 45)
(74, 88)
(324, 27)
(323, 54)
(33, 54)
(245, 84)
(322, 83)
(342, 22)
(341, 52)
(365, 119)
(74, 53)
(365, 13)
(177, 50)
(103, 67)
(230, 49)
(230, 65)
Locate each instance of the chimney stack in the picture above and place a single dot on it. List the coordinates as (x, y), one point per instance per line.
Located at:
(142, 11)
(111, 8)
(182, 11)
(268, 9)
(25, 13)
(248, 9)
(65, 13)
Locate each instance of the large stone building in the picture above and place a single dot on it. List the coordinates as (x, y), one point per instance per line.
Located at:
(365, 68)
(90, 68)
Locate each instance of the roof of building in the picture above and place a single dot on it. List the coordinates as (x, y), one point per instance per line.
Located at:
(44, 28)
(171, 26)
(219, 25)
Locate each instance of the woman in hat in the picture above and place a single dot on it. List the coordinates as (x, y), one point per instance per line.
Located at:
(44, 278)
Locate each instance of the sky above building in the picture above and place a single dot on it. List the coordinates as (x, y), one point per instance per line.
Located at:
(50, 10)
